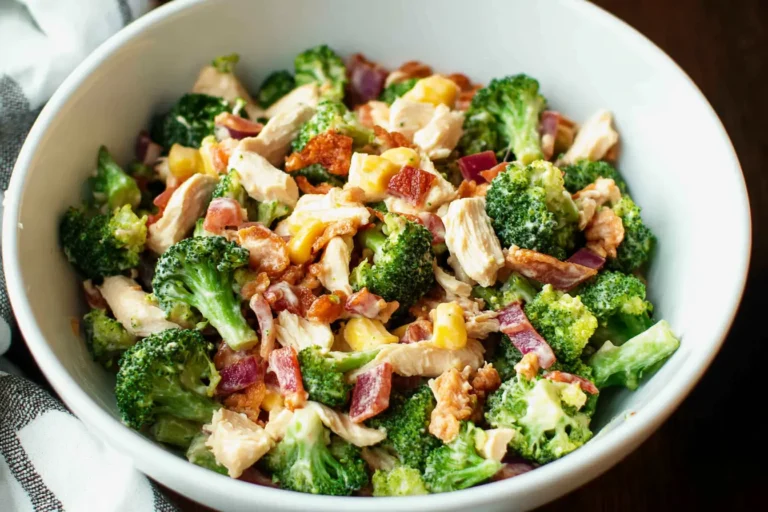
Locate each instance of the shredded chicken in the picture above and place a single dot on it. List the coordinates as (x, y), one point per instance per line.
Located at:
(333, 267)
(470, 238)
(341, 425)
(379, 458)
(408, 117)
(373, 113)
(299, 333)
(236, 442)
(604, 233)
(462, 276)
(307, 95)
(274, 140)
(212, 82)
(593, 140)
(440, 135)
(132, 308)
(455, 403)
(262, 180)
(335, 206)
(450, 284)
(593, 196)
(186, 205)
(410, 69)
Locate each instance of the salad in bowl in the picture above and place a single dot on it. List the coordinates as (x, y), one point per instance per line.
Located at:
(362, 281)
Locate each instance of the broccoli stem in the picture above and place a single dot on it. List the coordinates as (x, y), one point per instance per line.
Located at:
(171, 430)
(374, 240)
(354, 360)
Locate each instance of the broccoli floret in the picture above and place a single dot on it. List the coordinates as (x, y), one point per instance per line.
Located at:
(402, 261)
(323, 373)
(379, 206)
(226, 63)
(400, 481)
(112, 186)
(230, 186)
(172, 430)
(199, 272)
(189, 121)
(643, 354)
(505, 357)
(270, 211)
(397, 89)
(563, 321)
(504, 116)
(274, 87)
(546, 416)
(306, 461)
(618, 302)
(167, 373)
(406, 421)
(529, 207)
(332, 115)
(317, 174)
(639, 240)
(515, 289)
(105, 337)
(201, 455)
(101, 245)
(200, 229)
(322, 66)
(457, 465)
(584, 172)
(450, 170)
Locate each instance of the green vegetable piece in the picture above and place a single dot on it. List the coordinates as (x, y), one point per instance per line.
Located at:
(637, 247)
(270, 211)
(397, 89)
(226, 63)
(201, 455)
(105, 338)
(317, 174)
(189, 121)
(584, 172)
(626, 365)
(274, 87)
(177, 432)
(112, 186)
(515, 289)
(400, 481)
(457, 465)
(167, 373)
(231, 186)
(322, 66)
(323, 373)
(333, 115)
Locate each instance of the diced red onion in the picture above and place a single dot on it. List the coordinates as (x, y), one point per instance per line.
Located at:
(512, 467)
(255, 476)
(587, 258)
(366, 79)
(471, 165)
(147, 151)
(240, 375)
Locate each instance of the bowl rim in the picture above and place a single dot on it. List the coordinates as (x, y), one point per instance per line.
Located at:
(553, 480)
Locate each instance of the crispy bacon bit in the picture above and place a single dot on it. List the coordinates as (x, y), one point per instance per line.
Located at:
(220, 157)
(269, 252)
(435, 226)
(586, 385)
(547, 269)
(515, 324)
(225, 356)
(494, 171)
(326, 309)
(295, 299)
(465, 97)
(371, 393)
(528, 366)
(307, 188)
(330, 149)
(238, 127)
(310, 280)
(467, 189)
(411, 184)
(364, 115)
(587, 258)
(418, 330)
(461, 80)
(223, 212)
(604, 233)
(365, 304)
(285, 365)
(255, 286)
(93, 296)
(241, 374)
(293, 274)
(346, 227)
(389, 140)
(410, 69)
(263, 312)
(455, 402)
(486, 380)
(248, 401)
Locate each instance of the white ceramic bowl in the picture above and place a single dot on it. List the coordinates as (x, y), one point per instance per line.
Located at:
(677, 158)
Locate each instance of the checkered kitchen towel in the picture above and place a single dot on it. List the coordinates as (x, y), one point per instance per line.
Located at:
(48, 459)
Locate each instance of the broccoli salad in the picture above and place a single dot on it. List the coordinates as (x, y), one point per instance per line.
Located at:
(366, 282)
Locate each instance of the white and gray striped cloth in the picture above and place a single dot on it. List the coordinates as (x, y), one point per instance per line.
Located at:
(49, 461)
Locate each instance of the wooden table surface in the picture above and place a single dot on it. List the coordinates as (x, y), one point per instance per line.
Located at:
(709, 454)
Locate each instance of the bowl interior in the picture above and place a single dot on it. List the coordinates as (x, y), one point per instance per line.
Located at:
(584, 60)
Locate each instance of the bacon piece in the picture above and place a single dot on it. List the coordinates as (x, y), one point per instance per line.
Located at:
(223, 212)
(410, 69)
(295, 299)
(238, 127)
(366, 79)
(515, 324)
(307, 188)
(326, 309)
(346, 227)
(330, 149)
(240, 375)
(494, 171)
(255, 286)
(389, 140)
(248, 401)
(293, 274)
(547, 269)
(416, 331)
(587, 258)
(586, 385)
(435, 226)
(528, 366)
(285, 365)
(220, 157)
(411, 184)
(365, 304)
(225, 356)
(371, 393)
(485, 381)
(461, 80)
(263, 312)
(161, 201)
(269, 252)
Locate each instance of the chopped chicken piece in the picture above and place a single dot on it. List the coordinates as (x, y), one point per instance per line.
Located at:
(274, 140)
(425, 359)
(593, 196)
(341, 425)
(604, 233)
(455, 403)
(401, 206)
(408, 117)
(132, 308)
(373, 113)
(441, 134)
(441, 192)
(593, 140)
(261, 180)
(379, 458)
(450, 284)
(469, 237)
(299, 333)
(492, 444)
(335, 206)
(236, 442)
(462, 276)
(528, 366)
(212, 82)
(307, 95)
(186, 205)
(334, 265)
(279, 419)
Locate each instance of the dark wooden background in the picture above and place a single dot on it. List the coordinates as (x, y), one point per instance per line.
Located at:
(710, 454)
